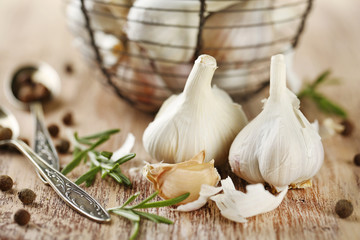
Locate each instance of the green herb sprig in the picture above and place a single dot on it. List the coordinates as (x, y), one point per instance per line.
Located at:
(99, 161)
(134, 215)
(322, 102)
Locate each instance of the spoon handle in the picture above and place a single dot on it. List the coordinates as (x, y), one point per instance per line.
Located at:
(43, 145)
(67, 190)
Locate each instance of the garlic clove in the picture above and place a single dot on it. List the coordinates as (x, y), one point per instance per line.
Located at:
(172, 180)
(237, 206)
(202, 117)
(279, 146)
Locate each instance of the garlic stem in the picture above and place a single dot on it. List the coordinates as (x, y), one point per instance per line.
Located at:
(200, 76)
(277, 77)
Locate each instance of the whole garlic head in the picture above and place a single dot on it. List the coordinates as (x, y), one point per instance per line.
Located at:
(173, 180)
(279, 146)
(200, 118)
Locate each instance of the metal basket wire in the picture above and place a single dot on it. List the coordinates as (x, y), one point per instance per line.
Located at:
(146, 48)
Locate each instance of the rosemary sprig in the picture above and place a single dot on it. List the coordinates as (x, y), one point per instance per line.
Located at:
(134, 215)
(322, 102)
(99, 161)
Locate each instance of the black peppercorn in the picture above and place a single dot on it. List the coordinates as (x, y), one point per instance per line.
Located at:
(26, 196)
(53, 130)
(69, 68)
(6, 182)
(344, 208)
(62, 146)
(68, 119)
(348, 128)
(5, 133)
(22, 217)
(357, 159)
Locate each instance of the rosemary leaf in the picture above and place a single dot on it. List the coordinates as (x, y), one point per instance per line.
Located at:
(131, 199)
(74, 163)
(165, 203)
(144, 201)
(116, 177)
(126, 213)
(321, 78)
(106, 133)
(106, 154)
(81, 140)
(153, 217)
(90, 174)
(125, 158)
(135, 230)
(328, 106)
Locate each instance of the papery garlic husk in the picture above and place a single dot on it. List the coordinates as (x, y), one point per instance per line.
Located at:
(279, 146)
(173, 180)
(200, 118)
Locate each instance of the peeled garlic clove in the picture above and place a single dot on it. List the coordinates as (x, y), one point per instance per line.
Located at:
(279, 146)
(173, 180)
(237, 206)
(201, 117)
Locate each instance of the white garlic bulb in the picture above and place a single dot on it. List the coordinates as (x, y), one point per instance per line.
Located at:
(279, 146)
(200, 118)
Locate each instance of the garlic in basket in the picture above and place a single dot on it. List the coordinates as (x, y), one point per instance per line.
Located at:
(172, 180)
(199, 118)
(279, 146)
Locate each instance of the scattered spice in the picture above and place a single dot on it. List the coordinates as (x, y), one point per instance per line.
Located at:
(26, 196)
(62, 146)
(357, 159)
(68, 119)
(344, 208)
(6, 183)
(5, 133)
(53, 130)
(348, 128)
(22, 217)
(69, 68)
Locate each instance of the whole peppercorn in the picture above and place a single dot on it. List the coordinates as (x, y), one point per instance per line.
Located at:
(5, 133)
(69, 68)
(68, 119)
(62, 146)
(26, 196)
(53, 130)
(6, 182)
(344, 208)
(357, 159)
(348, 128)
(22, 217)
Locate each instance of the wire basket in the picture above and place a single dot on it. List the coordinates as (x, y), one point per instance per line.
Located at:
(146, 48)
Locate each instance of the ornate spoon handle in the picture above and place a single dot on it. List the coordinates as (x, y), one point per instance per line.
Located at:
(67, 190)
(43, 145)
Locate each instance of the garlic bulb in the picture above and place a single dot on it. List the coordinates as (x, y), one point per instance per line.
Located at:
(172, 180)
(199, 118)
(279, 146)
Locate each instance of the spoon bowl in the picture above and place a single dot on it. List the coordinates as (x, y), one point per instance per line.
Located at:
(43, 73)
(8, 120)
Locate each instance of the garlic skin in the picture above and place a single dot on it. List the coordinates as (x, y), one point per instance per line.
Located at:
(200, 118)
(279, 146)
(173, 180)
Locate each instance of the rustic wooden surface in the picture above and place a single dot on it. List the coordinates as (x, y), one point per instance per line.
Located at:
(36, 30)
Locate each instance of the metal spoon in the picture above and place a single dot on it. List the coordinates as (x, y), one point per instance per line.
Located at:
(72, 194)
(47, 76)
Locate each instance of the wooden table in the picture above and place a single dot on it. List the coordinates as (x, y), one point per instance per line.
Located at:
(36, 30)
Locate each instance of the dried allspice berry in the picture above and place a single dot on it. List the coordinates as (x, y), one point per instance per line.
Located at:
(5, 133)
(344, 208)
(26, 196)
(68, 119)
(357, 159)
(53, 130)
(6, 183)
(348, 127)
(62, 146)
(22, 217)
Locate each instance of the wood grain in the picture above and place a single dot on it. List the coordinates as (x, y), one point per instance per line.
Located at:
(36, 30)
